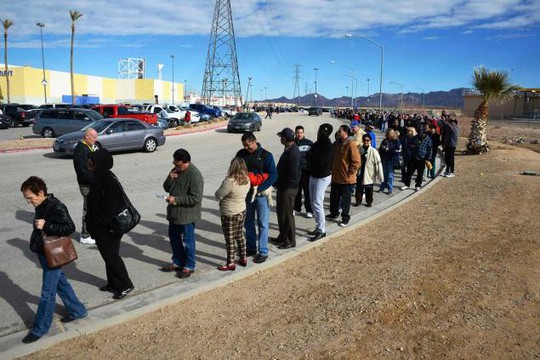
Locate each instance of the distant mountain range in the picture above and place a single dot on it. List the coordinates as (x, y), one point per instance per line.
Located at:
(451, 99)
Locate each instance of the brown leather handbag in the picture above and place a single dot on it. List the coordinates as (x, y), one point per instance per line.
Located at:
(58, 250)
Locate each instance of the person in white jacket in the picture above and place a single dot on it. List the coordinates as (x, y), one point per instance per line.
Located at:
(370, 170)
(232, 205)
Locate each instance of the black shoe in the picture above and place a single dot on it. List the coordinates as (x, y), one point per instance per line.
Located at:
(259, 259)
(184, 273)
(69, 318)
(286, 246)
(368, 205)
(251, 252)
(344, 223)
(107, 288)
(356, 204)
(275, 241)
(30, 338)
(314, 232)
(318, 235)
(332, 216)
(122, 294)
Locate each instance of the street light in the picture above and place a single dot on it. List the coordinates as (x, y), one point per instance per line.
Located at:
(367, 88)
(265, 93)
(353, 87)
(316, 72)
(353, 76)
(172, 60)
(382, 63)
(44, 81)
(401, 93)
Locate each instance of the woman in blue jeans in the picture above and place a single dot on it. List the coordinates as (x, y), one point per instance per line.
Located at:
(52, 218)
(390, 151)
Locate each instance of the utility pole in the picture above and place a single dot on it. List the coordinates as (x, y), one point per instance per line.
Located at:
(221, 59)
(296, 93)
(246, 103)
(316, 94)
(44, 81)
(172, 89)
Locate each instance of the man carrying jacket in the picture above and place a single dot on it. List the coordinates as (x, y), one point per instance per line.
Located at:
(259, 162)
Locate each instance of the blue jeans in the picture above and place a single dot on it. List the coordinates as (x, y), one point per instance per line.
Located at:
(182, 238)
(262, 208)
(388, 183)
(54, 282)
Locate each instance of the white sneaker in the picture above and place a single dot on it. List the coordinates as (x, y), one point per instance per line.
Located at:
(404, 187)
(417, 188)
(293, 212)
(450, 175)
(444, 175)
(87, 240)
(309, 215)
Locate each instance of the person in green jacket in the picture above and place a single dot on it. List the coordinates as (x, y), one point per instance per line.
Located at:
(184, 183)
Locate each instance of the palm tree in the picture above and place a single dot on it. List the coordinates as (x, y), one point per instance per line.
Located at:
(74, 16)
(6, 23)
(492, 85)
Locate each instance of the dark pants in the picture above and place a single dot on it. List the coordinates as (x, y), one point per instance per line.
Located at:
(340, 195)
(285, 217)
(412, 166)
(449, 153)
(108, 245)
(364, 189)
(304, 185)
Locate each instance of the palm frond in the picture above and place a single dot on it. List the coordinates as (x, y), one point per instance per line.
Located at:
(493, 84)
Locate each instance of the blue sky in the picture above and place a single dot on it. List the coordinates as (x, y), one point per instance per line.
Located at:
(429, 45)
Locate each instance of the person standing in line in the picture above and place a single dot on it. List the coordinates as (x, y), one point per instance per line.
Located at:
(370, 170)
(287, 183)
(357, 132)
(259, 162)
(304, 145)
(52, 218)
(320, 164)
(104, 200)
(450, 135)
(185, 184)
(433, 132)
(369, 131)
(232, 206)
(345, 165)
(389, 152)
(81, 154)
(418, 150)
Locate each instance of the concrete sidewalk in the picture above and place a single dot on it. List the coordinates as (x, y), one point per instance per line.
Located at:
(203, 280)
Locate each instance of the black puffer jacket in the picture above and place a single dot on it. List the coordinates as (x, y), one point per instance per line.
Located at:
(105, 197)
(57, 222)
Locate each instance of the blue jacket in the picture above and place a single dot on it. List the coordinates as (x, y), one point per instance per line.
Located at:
(260, 162)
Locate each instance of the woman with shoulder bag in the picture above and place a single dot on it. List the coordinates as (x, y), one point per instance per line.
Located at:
(104, 200)
(51, 218)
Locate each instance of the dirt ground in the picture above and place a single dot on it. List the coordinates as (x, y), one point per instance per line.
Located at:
(451, 274)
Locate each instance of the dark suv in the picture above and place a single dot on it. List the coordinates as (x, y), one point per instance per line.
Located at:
(314, 110)
(18, 115)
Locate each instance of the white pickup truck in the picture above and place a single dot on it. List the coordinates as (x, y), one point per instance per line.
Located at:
(174, 115)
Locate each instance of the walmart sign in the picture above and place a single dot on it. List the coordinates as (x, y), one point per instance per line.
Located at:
(6, 73)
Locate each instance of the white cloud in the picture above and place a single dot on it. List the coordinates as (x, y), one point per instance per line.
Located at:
(316, 18)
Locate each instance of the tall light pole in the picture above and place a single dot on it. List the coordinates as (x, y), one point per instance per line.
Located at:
(44, 81)
(352, 88)
(265, 92)
(347, 94)
(382, 63)
(353, 76)
(172, 89)
(316, 72)
(367, 88)
(247, 94)
(401, 93)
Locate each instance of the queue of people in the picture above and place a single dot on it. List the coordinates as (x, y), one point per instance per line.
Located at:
(351, 165)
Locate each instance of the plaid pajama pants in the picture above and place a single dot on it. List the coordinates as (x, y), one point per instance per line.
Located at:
(233, 230)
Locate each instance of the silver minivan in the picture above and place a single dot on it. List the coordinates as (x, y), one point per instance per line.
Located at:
(54, 122)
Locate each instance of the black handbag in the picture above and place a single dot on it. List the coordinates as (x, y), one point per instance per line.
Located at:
(127, 217)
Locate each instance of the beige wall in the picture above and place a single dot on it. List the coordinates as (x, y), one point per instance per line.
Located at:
(520, 106)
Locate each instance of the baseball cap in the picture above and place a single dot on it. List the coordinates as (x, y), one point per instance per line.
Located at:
(286, 133)
(354, 123)
(326, 129)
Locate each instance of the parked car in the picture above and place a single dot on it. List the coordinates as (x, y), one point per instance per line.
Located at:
(194, 116)
(120, 111)
(314, 110)
(55, 122)
(115, 135)
(17, 115)
(226, 111)
(5, 121)
(55, 106)
(245, 121)
(163, 123)
(205, 109)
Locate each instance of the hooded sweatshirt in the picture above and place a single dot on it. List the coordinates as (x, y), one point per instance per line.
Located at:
(105, 199)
